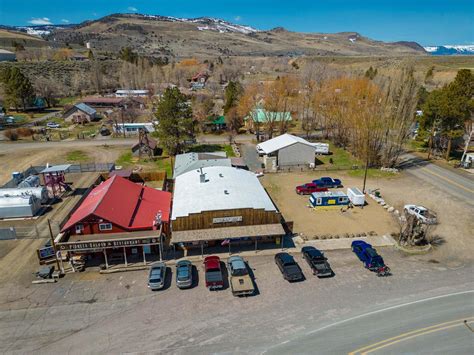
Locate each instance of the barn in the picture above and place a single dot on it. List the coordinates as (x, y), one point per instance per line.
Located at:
(287, 151)
(222, 205)
(80, 113)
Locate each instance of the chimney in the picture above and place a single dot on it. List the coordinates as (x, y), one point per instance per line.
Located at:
(202, 176)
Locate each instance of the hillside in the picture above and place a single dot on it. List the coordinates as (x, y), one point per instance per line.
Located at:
(205, 37)
(8, 37)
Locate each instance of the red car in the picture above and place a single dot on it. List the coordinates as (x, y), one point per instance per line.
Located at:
(309, 188)
(213, 272)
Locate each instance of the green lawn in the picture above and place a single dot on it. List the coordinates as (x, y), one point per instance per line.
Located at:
(339, 158)
(125, 159)
(209, 148)
(77, 156)
(67, 100)
(165, 164)
(372, 173)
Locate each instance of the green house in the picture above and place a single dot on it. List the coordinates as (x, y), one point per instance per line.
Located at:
(260, 115)
(216, 122)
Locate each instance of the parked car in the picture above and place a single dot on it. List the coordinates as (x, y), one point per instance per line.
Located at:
(157, 276)
(328, 182)
(213, 273)
(240, 281)
(317, 261)
(289, 268)
(309, 188)
(422, 213)
(184, 274)
(104, 131)
(369, 256)
(53, 125)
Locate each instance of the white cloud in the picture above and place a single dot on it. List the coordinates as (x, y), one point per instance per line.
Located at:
(40, 21)
(237, 18)
(64, 20)
(131, 8)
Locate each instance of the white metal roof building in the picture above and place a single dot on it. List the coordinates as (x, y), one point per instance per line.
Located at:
(192, 161)
(223, 188)
(289, 150)
(126, 93)
(19, 206)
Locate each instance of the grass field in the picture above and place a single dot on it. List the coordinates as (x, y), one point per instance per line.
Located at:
(209, 148)
(77, 156)
(340, 158)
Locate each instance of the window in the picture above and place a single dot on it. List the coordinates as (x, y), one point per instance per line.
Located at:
(79, 228)
(318, 201)
(105, 226)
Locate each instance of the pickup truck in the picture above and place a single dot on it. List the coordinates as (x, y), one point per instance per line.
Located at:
(309, 188)
(213, 273)
(328, 182)
(240, 280)
(422, 213)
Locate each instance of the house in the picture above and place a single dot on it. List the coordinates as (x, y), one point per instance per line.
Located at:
(221, 205)
(7, 56)
(260, 117)
(198, 81)
(194, 161)
(287, 151)
(117, 217)
(80, 113)
(133, 128)
(216, 123)
(131, 93)
(114, 102)
(146, 146)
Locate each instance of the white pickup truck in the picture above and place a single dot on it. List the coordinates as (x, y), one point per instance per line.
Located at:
(422, 213)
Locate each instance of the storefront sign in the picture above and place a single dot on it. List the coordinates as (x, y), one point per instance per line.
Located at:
(231, 219)
(101, 244)
(45, 253)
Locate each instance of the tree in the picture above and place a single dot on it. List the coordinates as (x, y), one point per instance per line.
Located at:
(175, 121)
(371, 73)
(248, 104)
(128, 55)
(232, 93)
(446, 110)
(17, 87)
(47, 89)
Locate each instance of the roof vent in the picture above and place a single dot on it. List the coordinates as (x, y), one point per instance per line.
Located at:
(202, 177)
(221, 175)
(226, 192)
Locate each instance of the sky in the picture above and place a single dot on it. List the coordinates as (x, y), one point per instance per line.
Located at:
(428, 22)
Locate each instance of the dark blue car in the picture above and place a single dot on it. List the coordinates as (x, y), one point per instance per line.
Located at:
(328, 182)
(369, 256)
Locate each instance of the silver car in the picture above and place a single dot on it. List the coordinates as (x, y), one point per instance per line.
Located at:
(157, 276)
(184, 274)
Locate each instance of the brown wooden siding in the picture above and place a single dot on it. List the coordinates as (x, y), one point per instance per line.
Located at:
(203, 220)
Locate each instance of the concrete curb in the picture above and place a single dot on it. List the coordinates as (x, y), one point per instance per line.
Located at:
(419, 251)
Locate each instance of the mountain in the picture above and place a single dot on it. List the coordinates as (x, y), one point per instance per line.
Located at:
(450, 50)
(155, 35)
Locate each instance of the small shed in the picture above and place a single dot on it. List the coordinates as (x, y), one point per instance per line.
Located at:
(328, 198)
(80, 113)
(356, 196)
(150, 145)
(19, 206)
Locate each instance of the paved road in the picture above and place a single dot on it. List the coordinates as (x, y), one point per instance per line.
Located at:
(432, 325)
(92, 313)
(457, 185)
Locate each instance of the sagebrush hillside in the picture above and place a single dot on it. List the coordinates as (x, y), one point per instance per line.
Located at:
(205, 37)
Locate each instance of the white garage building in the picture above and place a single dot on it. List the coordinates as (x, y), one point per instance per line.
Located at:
(287, 151)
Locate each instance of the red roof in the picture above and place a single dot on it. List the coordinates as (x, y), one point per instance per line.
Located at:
(126, 204)
(104, 100)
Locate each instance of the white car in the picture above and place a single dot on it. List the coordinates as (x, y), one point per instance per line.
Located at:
(53, 125)
(260, 151)
(422, 213)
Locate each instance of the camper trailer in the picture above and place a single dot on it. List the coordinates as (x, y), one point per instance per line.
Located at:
(356, 196)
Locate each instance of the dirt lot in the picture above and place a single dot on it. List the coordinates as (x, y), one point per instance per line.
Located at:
(310, 222)
(456, 226)
(22, 159)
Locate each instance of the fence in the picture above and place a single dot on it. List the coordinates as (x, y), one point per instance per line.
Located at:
(295, 168)
(30, 232)
(74, 168)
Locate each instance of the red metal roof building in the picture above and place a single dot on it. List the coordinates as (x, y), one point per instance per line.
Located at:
(119, 205)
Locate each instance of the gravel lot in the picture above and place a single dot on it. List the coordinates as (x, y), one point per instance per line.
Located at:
(309, 222)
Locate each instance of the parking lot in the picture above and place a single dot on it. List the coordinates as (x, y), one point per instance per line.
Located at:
(71, 315)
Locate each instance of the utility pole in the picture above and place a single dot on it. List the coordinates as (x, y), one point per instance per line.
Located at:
(53, 244)
(366, 164)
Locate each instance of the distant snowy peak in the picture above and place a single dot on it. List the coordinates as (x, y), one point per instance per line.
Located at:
(450, 49)
(208, 24)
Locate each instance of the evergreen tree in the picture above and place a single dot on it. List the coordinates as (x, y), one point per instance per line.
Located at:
(233, 91)
(18, 89)
(175, 121)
